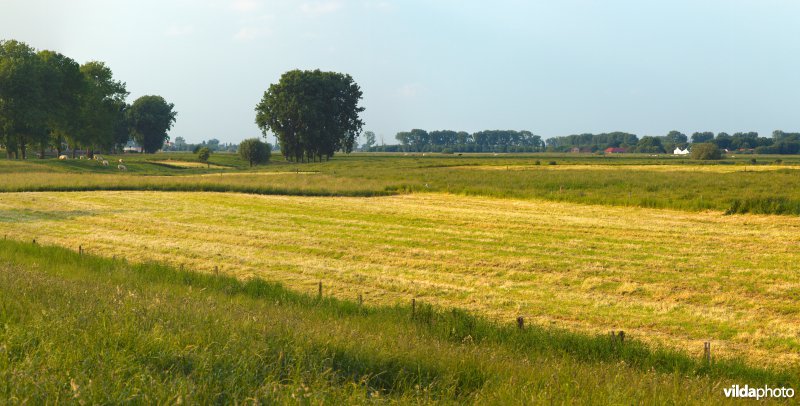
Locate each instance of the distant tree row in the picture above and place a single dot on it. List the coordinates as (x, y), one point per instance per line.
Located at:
(50, 102)
(213, 145)
(780, 142)
(418, 140)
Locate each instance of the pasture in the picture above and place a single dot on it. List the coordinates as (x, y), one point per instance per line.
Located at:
(657, 247)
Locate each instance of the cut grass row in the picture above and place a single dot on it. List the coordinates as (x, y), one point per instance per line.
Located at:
(667, 277)
(95, 330)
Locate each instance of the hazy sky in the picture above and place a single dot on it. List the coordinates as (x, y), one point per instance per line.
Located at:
(553, 67)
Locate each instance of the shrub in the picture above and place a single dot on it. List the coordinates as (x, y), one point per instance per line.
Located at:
(706, 151)
(551, 163)
(203, 154)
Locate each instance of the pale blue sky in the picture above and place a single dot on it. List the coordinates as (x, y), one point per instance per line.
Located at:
(552, 67)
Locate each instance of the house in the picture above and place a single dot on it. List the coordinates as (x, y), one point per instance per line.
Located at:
(612, 150)
(679, 151)
(132, 147)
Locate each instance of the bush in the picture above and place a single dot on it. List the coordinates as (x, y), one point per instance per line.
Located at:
(706, 151)
(255, 151)
(551, 163)
(203, 154)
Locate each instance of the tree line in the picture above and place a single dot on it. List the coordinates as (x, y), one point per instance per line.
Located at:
(780, 143)
(418, 140)
(50, 102)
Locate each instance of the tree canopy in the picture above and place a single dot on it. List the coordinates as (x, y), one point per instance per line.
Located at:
(150, 117)
(706, 151)
(312, 113)
(48, 100)
(255, 151)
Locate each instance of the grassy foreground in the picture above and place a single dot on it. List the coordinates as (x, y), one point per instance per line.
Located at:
(93, 330)
(666, 277)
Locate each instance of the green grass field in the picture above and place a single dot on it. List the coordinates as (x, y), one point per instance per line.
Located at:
(90, 330)
(664, 248)
(734, 185)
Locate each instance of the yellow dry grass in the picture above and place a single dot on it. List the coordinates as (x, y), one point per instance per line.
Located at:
(667, 277)
(649, 168)
(189, 164)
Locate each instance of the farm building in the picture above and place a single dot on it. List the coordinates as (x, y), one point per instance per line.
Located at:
(679, 151)
(612, 150)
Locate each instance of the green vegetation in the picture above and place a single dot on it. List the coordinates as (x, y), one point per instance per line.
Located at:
(314, 114)
(634, 180)
(50, 103)
(706, 152)
(255, 151)
(153, 334)
(203, 154)
(149, 118)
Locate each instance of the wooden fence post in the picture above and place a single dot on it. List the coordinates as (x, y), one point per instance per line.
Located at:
(319, 293)
(360, 300)
(34, 241)
(413, 307)
(520, 322)
(216, 270)
(80, 250)
(707, 352)
(621, 337)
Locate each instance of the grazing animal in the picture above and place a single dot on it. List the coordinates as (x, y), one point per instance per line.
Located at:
(62, 158)
(122, 167)
(105, 163)
(98, 158)
(120, 160)
(82, 157)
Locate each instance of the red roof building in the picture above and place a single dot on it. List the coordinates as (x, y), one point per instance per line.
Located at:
(611, 150)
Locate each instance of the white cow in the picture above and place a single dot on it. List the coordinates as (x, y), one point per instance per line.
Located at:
(122, 167)
(62, 157)
(105, 163)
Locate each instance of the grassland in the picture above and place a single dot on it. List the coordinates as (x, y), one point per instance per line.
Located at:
(666, 277)
(579, 247)
(733, 185)
(89, 330)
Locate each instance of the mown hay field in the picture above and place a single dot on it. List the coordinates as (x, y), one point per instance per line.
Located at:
(666, 277)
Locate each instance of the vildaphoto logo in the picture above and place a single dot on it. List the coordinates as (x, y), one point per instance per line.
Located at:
(737, 391)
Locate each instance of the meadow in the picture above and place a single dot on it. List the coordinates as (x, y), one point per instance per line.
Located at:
(735, 185)
(85, 329)
(663, 248)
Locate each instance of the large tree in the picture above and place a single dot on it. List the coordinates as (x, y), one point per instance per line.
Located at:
(150, 117)
(312, 113)
(102, 119)
(22, 101)
(64, 86)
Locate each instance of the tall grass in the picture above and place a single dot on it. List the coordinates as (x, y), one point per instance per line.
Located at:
(95, 330)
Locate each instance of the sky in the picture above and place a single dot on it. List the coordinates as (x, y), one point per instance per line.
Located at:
(555, 67)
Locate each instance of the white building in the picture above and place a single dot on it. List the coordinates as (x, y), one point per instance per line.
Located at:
(679, 151)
